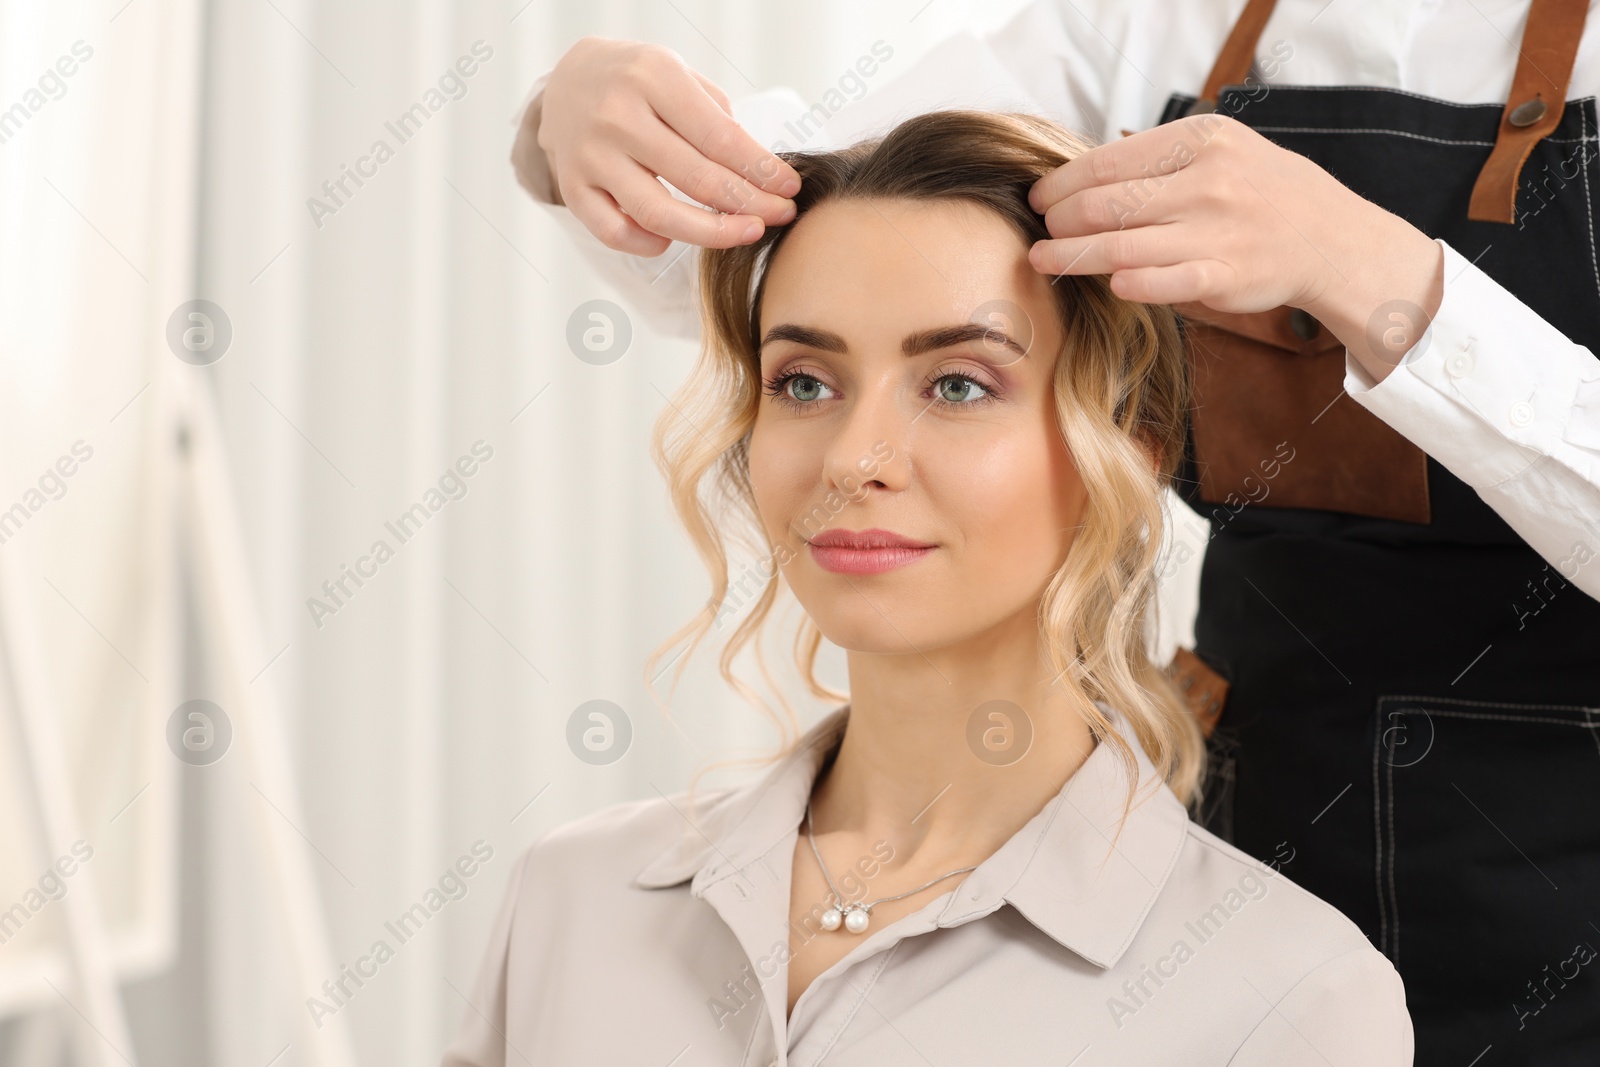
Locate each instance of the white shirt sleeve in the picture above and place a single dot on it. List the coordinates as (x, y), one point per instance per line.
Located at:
(1508, 405)
(1034, 63)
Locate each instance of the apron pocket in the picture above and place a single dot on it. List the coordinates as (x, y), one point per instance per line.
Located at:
(1273, 427)
(1488, 874)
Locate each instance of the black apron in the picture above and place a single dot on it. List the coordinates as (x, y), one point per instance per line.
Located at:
(1412, 730)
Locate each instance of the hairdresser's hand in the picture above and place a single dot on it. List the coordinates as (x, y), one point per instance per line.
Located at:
(614, 115)
(1205, 209)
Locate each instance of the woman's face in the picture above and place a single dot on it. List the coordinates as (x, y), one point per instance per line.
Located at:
(889, 413)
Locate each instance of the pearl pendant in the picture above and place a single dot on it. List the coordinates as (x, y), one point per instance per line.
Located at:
(831, 919)
(856, 920)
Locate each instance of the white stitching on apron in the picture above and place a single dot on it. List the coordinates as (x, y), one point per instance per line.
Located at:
(1588, 203)
(1395, 133)
(1429, 706)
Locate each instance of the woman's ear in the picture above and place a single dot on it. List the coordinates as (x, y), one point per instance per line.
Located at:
(1152, 451)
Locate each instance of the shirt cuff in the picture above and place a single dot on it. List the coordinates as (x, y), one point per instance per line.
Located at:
(1490, 387)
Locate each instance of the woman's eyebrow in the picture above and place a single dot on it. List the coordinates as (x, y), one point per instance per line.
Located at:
(809, 336)
(949, 336)
(913, 345)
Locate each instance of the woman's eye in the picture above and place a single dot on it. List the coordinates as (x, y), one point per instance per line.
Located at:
(804, 388)
(953, 389)
(797, 387)
(957, 389)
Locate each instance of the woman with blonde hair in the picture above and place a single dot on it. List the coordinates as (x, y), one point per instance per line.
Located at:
(956, 465)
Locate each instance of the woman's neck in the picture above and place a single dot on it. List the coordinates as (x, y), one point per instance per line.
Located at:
(913, 770)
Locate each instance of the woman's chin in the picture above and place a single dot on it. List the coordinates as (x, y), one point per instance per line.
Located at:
(872, 633)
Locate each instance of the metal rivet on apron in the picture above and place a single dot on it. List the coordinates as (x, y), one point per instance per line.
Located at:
(1304, 326)
(1527, 113)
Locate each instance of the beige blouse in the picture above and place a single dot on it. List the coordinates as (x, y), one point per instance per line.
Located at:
(637, 937)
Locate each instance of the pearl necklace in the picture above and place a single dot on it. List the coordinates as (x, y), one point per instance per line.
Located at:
(855, 915)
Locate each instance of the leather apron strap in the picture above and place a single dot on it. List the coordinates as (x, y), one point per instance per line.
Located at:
(1238, 54)
(1533, 109)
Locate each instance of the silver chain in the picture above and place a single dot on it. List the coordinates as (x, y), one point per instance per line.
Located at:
(867, 906)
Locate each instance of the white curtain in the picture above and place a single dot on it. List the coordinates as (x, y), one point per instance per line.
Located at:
(98, 122)
(399, 318)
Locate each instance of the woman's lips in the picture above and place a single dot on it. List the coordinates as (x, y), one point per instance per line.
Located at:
(865, 551)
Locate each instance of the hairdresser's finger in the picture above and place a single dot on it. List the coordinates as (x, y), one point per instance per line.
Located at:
(648, 203)
(713, 90)
(708, 182)
(1155, 152)
(1117, 207)
(1144, 246)
(1196, 279)
(702, 121)
(722, 101)
(600, 214)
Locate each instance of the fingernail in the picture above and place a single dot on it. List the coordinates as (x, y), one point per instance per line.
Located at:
(752, 231)
(790, 187)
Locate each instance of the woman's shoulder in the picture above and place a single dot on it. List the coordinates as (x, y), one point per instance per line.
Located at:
(1316, 975)
(621, 839)
(1308, 939)
(1213, 872)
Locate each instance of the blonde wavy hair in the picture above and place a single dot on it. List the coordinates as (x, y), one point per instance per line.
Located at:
(1121, 390)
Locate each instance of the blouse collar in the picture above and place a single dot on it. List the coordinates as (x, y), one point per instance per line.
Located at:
(1078, 871)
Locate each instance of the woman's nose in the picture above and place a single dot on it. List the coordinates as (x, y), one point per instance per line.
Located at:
(869, 451)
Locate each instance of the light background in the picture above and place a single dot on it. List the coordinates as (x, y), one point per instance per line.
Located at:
(367, 355)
